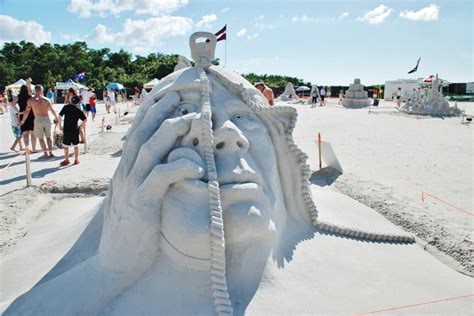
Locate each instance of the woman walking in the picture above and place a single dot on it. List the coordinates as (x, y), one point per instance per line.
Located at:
(28, 127)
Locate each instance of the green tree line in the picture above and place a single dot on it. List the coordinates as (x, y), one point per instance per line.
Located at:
(50, 63)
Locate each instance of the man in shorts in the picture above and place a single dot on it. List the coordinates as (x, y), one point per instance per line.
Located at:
(41, 107)
(72, 115)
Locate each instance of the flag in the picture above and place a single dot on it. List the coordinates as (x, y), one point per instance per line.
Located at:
(416, 67)
(222, 34)
(80, 76)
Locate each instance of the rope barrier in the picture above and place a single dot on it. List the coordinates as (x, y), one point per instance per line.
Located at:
(423, 194)
(413, 305)
(21, 153)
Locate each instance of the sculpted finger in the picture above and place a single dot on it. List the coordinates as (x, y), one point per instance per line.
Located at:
(152, 190)
(159, 145)
(143, 128)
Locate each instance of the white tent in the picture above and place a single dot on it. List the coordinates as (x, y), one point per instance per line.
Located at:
(16, 85)
(151, 84)
(69, 84)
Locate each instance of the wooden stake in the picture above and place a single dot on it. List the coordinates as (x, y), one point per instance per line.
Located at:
(319, 150)
(102, 125)
(28, 167)
(85, 139)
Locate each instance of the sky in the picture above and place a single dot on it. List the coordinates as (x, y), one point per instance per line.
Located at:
(324, 42)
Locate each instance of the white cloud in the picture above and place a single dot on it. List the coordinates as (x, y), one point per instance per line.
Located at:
(252, 36)
(377, 15)
(242, 32)
(303, 19)
(429, 13)
(225, 9)
(103, 8)
(343, 15)
(71, 37)
(13, 30)
(205, 22)
(259, 24)
(142, 34)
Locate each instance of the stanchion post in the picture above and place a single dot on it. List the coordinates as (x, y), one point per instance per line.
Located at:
(28, 167)
(319, 150)
(102, 124)
(85, 138)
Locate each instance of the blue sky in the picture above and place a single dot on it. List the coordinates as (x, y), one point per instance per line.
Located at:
(325, 42)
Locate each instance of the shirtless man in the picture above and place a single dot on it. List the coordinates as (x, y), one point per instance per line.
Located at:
(266, 91)
(41, 106)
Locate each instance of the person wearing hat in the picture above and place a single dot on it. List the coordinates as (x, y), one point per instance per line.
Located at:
(266, 91)
(70, 129)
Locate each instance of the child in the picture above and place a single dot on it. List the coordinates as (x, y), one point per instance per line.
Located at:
(92, 105)
(72, 114)
(15, 123)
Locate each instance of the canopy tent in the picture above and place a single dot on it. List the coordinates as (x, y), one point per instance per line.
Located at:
(151, 84)
(430, 78)
(69, 84)
(115, 86)
(16, 85)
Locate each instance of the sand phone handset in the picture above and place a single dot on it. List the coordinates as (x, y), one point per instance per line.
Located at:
(203, 52)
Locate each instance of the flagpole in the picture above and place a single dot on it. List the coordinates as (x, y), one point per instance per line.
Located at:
(225, 61)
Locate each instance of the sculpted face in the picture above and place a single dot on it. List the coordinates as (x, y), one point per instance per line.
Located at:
(249, 184)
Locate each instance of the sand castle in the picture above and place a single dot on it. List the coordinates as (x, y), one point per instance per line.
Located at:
(356, 97)
(435, 104)
(210, 212)
(289, 94)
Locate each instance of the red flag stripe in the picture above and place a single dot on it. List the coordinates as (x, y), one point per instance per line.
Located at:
(223, 37)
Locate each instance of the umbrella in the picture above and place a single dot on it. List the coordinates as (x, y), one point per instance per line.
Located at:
(114, 86)
(302, 89)
(430, 79)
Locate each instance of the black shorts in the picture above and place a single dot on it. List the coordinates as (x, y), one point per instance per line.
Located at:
(314, 100)
(88, 107)
(322, 98)
(71, 138)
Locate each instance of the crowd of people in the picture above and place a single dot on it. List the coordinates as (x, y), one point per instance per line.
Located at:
(31, 123)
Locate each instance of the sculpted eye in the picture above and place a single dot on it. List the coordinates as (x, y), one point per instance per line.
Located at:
(242, 117)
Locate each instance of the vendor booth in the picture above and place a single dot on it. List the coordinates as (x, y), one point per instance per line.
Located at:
(62, 87)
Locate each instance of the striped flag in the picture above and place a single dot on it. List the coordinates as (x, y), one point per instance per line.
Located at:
(222, 34)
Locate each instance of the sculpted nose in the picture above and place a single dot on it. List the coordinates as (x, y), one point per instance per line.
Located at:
(228, 138)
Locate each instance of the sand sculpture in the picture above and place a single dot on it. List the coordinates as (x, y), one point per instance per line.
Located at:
(210, 188)
(355, 96)
(289, 94)
(435, 104)
(183, 62)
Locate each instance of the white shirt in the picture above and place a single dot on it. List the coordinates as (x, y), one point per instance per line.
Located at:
(13, 118)
(322, 92)
(111, 95)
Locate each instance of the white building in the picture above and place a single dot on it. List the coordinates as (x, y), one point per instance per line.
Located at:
(407, 86)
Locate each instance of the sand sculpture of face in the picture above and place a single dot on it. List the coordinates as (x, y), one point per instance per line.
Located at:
(209, 170)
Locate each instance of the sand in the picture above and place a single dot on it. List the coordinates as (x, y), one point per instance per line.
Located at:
(388, 159)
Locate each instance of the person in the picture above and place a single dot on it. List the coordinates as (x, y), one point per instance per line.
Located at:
(41, 107)
(28, 119)
(70, 93)
(375, 94)
(92, 105)
(50, 95)
(111, 99)
(322, 94)
(341, 95)
(399, 96)
(85, 97)
(70, 129)
(314, 96)
(15, 124)
(266, 91)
